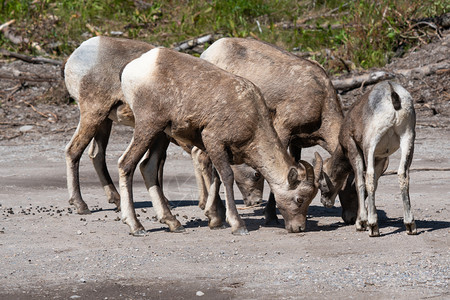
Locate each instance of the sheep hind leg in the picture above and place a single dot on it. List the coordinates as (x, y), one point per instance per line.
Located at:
(202, 171)
(349, 200)
(378, 167)
(127, 165)
(357, 162)
(213, 209)
(407, 150)
(220, 160)
(97, 155)
(85, 132)
(151, 169)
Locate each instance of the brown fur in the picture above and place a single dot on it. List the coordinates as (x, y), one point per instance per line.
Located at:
(300, 96)
(220, 113)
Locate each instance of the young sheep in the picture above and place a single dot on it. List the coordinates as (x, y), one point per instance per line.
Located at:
(205, 106)
(379, 123)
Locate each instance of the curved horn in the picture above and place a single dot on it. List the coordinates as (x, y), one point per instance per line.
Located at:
(309, 171)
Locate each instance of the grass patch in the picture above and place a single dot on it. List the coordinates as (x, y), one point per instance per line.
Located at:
(360, 33)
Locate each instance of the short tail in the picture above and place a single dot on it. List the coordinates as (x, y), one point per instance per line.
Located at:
(63, 66)
(396, 102)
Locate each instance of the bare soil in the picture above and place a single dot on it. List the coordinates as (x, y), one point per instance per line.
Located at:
(48, 251)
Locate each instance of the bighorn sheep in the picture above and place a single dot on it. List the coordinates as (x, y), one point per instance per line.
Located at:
(205, 106)
(379, 123)
(300, 96)
(92, 78)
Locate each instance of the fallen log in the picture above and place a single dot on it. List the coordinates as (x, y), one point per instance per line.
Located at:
(423, 71)
(24, 77)
(359, 81)
(183, 46)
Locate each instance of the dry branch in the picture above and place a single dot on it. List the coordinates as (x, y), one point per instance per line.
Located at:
(30, 59)
(23, 77)
(424, 70)
(15, 89)
(195, 42)
(45, 115)
(359, 81)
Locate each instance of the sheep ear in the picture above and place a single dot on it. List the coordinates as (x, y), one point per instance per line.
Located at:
(293, 177)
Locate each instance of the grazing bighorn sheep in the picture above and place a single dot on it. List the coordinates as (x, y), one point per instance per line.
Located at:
(92, 78)
(205, 106)
(379, 123)
(300, 96)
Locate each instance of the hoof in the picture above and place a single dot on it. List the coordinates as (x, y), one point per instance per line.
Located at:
(202, 205)
(218, 227)
(374, 230)
(117, 206)
(115, 200)
(179, 229)
(411, 228)
(81, 206)
(349, 217)
(240, 231)
(216, 224)
(84, 211)
(250, 203)
(139, 233)
(361, 225)
(327, 204)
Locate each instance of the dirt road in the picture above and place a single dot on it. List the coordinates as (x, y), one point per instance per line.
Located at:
(48, 251)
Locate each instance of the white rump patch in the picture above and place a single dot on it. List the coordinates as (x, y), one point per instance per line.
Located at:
(138, 72)
(80, 62)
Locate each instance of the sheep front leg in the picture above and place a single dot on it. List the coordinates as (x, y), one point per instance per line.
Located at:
(407, 151)
(220, 160)
(151, 169)
(232, 215)
(97, 155)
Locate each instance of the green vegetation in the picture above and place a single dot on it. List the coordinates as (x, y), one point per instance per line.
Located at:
(366, 33)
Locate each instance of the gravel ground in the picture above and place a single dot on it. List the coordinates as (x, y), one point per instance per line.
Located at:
(47, 251)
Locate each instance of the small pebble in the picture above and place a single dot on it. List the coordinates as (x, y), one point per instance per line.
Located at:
(26, 128)
(200, 293)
